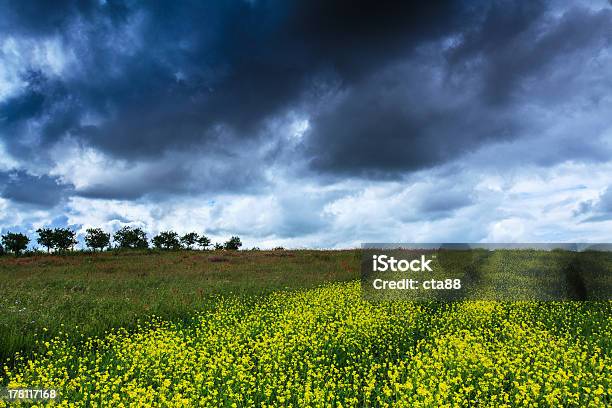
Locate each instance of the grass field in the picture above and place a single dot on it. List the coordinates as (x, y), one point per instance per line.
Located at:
(43, 296)
(271, 329)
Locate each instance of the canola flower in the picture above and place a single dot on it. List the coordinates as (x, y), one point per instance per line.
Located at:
(330, 347)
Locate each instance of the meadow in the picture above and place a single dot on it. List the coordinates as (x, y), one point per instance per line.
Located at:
(284, 328)
(88, 294)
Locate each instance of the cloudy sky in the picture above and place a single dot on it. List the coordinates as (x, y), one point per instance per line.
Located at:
(309, 124)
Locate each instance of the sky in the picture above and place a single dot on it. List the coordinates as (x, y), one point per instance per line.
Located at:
(309, 124)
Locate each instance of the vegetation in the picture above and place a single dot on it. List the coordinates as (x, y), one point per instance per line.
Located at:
(96, 238)
(131, 238)
(167, 240)
(60, 239)
(64, 239)
(189, 240)
(204, 242)
(90, 293)
(330, 347)
(15, 242)
(255, 328)
(46, 238)
(233, 244)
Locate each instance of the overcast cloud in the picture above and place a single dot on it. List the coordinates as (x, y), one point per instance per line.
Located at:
(309, 123)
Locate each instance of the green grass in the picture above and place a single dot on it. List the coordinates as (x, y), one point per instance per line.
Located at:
(248, 322)
(84, 295)
(88, 294)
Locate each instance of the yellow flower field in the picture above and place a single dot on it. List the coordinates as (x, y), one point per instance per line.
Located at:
(329, 347)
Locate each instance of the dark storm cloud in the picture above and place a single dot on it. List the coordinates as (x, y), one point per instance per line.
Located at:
(197, 76)
(45, 104)
(42, 18)
(201, 67)
(382, 131)
(405, 119)
(514, 44)
(160, 180)
(24, 188)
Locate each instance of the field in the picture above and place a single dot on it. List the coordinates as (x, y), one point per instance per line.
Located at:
(43, 296)
(284, 328)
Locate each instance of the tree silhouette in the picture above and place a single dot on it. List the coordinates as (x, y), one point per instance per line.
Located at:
(189, 240)
(97, 238)
(134, 238)
(204, 241)
(167, 240)
(233, 244)
(63, 239)
(15, 242)
(45, 238)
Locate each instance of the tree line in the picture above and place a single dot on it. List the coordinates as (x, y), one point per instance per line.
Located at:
(64, 239)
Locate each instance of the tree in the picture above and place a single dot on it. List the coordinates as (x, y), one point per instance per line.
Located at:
(233, 244)
(1, 250)
(218, 246)
(167, 240)
(190, 239)
(204, 241)
(15, 242)
(64, 239)
(128, 237)
(97, 238)
(45, 238)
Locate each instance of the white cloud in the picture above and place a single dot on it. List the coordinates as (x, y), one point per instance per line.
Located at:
(523, 205)
(508, 230)
(20, 54)
(79, 165)
(10, 80)
(7, 162)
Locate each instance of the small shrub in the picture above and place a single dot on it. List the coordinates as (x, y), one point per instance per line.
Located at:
(233, 244)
